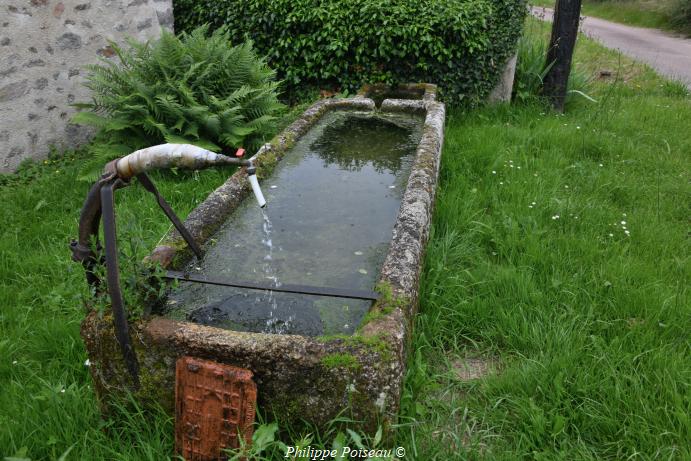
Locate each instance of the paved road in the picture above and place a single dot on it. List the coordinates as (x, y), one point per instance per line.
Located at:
(667, 54)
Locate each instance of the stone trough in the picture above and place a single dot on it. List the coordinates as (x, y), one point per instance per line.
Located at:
(314, 378)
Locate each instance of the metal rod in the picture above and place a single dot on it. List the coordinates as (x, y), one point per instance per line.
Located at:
(113, 278)
(148, 185)
(285, 288)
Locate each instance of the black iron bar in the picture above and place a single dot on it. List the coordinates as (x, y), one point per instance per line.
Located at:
(148, 185)
(284, 288)
(113, 278)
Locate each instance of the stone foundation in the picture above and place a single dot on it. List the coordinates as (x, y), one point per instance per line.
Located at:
(44, 46)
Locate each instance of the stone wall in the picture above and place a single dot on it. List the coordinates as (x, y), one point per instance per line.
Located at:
(44, 45)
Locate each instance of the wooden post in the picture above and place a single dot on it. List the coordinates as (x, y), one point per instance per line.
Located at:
(564, 31)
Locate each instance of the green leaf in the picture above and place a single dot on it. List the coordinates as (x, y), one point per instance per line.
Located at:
(377, 437)
(355, 437)
(338, 443)
(90, 119)
(263, 436)
(196, 86)
(41, 203)
(20, 455)
(63, 457)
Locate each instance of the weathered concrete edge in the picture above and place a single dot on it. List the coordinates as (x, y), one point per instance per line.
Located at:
(403, 264)
(427, 91)
(404, 105)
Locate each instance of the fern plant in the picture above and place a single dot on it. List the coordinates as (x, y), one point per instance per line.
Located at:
(195, 89)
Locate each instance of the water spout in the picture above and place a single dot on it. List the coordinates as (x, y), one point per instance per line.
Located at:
(180, 155)
(252, 177)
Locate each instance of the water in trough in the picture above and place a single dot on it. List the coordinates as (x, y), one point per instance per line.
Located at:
(332, 204)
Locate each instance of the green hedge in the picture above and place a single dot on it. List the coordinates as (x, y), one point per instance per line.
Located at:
(460, 45)
(680, 16)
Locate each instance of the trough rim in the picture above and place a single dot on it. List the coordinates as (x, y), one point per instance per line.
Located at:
(379, 346)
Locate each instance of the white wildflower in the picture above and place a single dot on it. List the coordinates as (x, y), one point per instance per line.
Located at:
(381, 401)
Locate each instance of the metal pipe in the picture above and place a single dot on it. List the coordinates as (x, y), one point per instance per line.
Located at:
(347, 293)
(169, 156)
(179, 155)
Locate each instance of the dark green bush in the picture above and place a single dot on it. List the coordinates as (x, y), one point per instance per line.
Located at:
(680, 16)
(195, 89)
(460, 45)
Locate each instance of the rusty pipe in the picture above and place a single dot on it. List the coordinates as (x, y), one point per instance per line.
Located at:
(136, 163)
(169, 156)
(179, 155)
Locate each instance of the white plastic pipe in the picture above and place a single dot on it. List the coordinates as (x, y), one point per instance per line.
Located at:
(257, 191)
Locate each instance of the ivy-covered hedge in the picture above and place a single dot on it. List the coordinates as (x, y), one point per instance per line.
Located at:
(461, 45)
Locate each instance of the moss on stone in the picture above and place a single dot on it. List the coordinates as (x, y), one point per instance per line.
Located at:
(376, 343)
(155, 384)
(341, 360)
(267, 163)
(385, 305)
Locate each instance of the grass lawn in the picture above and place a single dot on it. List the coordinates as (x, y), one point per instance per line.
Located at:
(559, 264)
(640, 13)
(558, 267)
